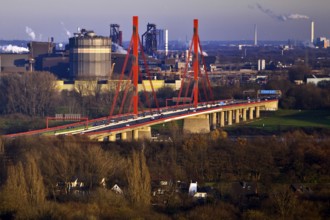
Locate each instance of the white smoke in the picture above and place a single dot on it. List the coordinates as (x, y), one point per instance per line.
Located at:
(297, 16)
(30, 32)
(13, 49)
(199, 49)
(205, 54)
(67, 32)
(281, 17)
(119, 49)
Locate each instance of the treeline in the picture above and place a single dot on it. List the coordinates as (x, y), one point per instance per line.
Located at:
(304, 96)
(31, 94)
(36, 94)
(33, 167)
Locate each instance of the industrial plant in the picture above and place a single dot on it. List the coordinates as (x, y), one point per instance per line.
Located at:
(91, 57)
(88, 56)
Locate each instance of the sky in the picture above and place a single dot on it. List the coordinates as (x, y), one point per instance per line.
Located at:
(218, 19)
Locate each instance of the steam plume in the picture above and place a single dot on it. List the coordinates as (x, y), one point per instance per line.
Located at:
(13, 49)
(30, 32)
(297, 16)
(67, 32)
(281, 17)
(119, 49)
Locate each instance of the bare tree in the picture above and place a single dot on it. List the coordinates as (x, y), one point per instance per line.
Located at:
(283, 200)
(29, 93)
(34, 182)
(138, 177)
(14, 196)
(99, 164)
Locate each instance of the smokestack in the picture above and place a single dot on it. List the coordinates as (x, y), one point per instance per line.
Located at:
(255, 35)
(120, 38)
(312, 32)
(166, 42)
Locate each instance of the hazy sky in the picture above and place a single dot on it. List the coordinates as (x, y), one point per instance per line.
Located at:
(218, 19)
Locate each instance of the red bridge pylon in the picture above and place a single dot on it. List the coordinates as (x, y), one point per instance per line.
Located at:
(198, 56)
(131, 89)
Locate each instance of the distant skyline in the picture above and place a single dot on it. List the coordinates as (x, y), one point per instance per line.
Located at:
(218, 20)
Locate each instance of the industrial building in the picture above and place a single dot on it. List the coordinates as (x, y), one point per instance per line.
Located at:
(322, 42)
(87, 56)
(116, 35)
(13, 62)
(261, 64)
(90, 56)
(149, 39)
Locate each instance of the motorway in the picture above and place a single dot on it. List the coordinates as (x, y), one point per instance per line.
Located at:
(147, 118)
(154, 117)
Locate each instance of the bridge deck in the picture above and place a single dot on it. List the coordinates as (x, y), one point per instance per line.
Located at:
(129, 122)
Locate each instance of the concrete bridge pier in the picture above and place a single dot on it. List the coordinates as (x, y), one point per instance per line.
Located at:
(230, 117)
(244, 114)
(257, 112)
(135, 135)
(112, 137)
(124, 136)
(237, 119)
(222, 119)
(251, 109)
(144, 133)
(213, 122)
(197, 124)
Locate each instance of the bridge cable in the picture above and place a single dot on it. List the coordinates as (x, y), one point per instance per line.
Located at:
(120, 79)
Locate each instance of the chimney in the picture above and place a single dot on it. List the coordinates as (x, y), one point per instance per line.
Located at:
(255, 35)
(312, 32)
(166, 42)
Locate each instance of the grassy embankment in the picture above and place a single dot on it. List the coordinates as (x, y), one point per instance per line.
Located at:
(283, 120)
(280, 120)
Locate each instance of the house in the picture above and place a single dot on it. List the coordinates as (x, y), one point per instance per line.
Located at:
(70, 187)
(161, 187)
(193, 191)
(192, 188)
(200, 195)
(75, 186)
(300, 189)
(117, 189)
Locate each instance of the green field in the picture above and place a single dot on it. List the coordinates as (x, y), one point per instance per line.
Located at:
(285, 119)
(275, 121)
